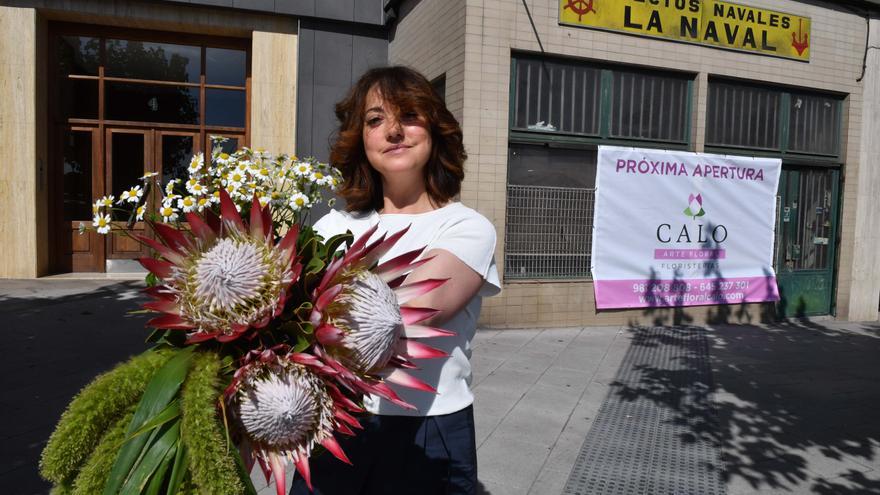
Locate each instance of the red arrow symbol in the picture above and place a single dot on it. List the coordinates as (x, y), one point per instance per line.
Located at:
(800, 40)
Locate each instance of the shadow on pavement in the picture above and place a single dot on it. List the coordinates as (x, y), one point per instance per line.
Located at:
(52, 347)
(794, 404)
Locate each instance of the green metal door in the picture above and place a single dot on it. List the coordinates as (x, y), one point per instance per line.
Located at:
(806, 240)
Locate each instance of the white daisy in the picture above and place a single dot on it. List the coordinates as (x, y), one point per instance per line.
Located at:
(169, 214)
(187, 204)
(302, 169)
(139, 214)
(320, 178)
(149, 175)
(236, 179)
(196, 164)
(169, 188)
(133, 195)
(298, 201)
(105, 201)
(102, 223)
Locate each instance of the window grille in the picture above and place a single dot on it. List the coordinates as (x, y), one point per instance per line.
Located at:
(548, 232)
(556, 96)
(646, 106)
(814, 123)
(741, 115)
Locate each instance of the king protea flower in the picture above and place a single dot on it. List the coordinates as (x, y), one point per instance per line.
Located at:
(361, 326)
(284, 407)
(225, 278)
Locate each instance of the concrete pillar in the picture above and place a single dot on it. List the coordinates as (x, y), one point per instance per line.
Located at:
(864, 295)
(273, 91)
(23, 164)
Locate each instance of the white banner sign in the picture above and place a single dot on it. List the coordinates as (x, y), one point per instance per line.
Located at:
(673, 228)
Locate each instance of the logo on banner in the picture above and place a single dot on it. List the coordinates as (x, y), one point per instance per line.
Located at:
(580, 7)
(695, 203)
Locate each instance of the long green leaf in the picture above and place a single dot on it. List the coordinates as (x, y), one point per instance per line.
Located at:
(152, 460)
(178, 470)
(158, 478)
(170, 412)
(159, 392)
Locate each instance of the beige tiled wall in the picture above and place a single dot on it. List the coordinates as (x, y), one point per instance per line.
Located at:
(430, 39)
(493, 28)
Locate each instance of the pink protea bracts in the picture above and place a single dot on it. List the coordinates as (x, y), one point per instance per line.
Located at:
(225, 278)
(362, 328)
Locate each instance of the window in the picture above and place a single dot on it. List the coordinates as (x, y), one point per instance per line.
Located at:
(560, 110)
(549, 212)
(741, 115)
(190, 86)
(646, 106)
(579, 99)
(556, 96)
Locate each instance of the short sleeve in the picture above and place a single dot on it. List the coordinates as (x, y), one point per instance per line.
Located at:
(334, 223)
(471, 238)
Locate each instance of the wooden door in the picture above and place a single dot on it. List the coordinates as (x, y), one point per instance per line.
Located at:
(76, 181)
(128, 155)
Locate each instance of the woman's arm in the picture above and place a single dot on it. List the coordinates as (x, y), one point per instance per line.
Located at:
(450, 297)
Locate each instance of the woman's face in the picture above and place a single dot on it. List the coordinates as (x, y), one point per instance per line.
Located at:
(394, 144)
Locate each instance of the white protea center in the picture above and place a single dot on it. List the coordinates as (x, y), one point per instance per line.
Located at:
(370, 319)
(286, 410)
(238, 280)
(229, 274)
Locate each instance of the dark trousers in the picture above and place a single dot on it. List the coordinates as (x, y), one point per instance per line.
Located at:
(399, 455)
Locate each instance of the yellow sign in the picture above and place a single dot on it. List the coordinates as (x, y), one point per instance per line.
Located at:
(708, 22)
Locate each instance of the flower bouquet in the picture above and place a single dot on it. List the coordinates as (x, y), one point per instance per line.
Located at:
(267, 338)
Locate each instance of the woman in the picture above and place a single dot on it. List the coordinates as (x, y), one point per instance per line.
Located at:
(401, 154)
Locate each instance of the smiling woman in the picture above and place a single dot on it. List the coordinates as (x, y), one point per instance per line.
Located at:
(400, 100)
(401, 154)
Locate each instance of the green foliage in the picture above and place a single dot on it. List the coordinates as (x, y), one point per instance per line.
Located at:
(141, 455)
(93, 476)
(61, 490)
(92, 411)
(210, 458)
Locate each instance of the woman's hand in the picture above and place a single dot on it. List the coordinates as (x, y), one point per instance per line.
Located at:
(462, 284)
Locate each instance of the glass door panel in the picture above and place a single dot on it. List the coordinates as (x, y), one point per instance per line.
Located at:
(127, 153)
(78, 176)
(232, 143)
(175, 151)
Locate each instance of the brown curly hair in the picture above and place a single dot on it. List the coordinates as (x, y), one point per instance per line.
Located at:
(405, 90)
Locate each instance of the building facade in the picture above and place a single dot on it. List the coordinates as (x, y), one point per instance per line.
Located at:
(96, 93)
(537, 93)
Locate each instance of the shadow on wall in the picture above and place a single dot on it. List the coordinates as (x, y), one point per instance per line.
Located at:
(794, 404)
(52, 348)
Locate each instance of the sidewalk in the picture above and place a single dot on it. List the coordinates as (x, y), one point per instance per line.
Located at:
(793, 406)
